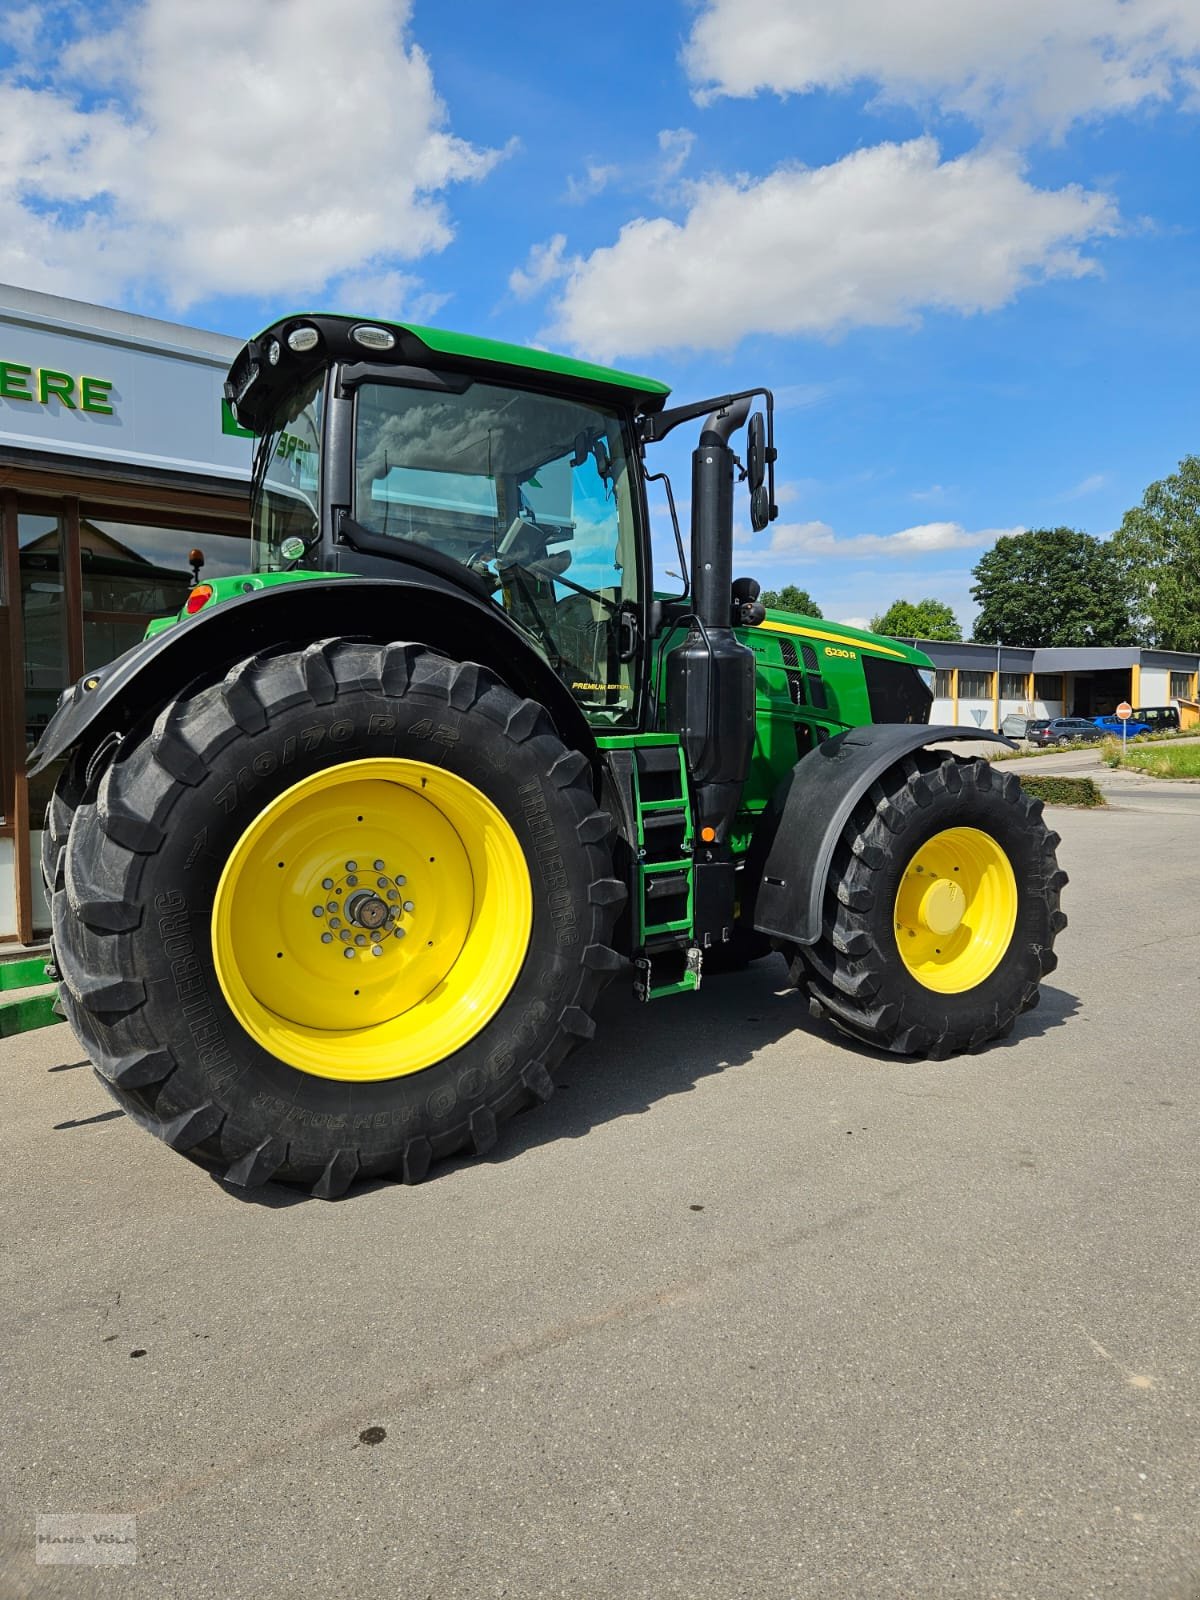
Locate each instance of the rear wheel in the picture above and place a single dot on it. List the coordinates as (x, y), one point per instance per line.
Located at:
(337, 916)
(940, 911)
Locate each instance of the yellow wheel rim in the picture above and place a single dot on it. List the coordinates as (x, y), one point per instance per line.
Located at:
(372, 919)
(956, 909)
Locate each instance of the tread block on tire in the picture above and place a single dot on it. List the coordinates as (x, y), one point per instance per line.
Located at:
(340, 1172)
(259, 1165)
(595, 828)
(568, 769)
(601, 958)
(190, 1128)
(483, 1130)
(241, 700)
(538, 1081)
(414, 1164)
(137, 1069)
(124, 826)
(319, 681)
(465, 686)
(396, 672)
(607, 892)
(575, 1021)
(525, 721)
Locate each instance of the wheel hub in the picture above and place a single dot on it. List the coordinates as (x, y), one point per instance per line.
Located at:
(943, 906)
(342, 907)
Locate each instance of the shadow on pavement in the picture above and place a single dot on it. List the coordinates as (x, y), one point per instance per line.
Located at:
(641, 1055)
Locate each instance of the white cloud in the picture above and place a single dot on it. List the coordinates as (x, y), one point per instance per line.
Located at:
(654, 175)
(543, 266)
(595, 180)
(868, 241)
(1024, 65)
(855, 622)
(1086, 486)
(675, 146)
(400, 296)
(245, 149)
(808, 541)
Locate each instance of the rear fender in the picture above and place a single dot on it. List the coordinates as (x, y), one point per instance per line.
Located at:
(811, 807)
(419, 610)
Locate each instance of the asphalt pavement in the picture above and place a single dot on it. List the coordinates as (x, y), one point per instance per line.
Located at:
(742, 1311)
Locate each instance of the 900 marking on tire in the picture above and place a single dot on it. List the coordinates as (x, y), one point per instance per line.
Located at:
(196, 968)
(941, 910)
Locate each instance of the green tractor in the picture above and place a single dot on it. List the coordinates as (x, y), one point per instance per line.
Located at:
(341, 857)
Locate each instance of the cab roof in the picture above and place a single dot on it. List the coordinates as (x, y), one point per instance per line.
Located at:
(417, 345)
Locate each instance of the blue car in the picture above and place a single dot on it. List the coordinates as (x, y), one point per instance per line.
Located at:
(1114, 725)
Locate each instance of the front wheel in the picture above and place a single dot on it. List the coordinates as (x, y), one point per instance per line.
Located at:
(337, 916)
(940, 913)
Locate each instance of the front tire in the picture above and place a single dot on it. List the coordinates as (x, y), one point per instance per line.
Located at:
(940, 913)
(213, 888)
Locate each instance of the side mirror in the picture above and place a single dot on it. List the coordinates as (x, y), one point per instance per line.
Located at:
(756, 452)
(760, 508)
(759, 457)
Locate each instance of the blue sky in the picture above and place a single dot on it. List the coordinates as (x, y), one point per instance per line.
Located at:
(959, 241)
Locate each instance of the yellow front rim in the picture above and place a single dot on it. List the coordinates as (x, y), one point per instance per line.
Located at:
(372, 919)
(956, 909)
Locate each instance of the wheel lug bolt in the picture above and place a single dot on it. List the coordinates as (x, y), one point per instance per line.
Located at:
(360, 938)
(376, 950)
(326, 938)
(401, 880)
(392, 895)
(335, 922)
(351, 879)
(352, 866)
(381, 883)
(379, 866)
(348, 953)
(327, 883)
(408, 906)
(318, 911)
(346, 936)
(397, 933)
(332, 907)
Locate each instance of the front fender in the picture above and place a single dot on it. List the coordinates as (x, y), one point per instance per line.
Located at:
(813, 805)
(417, 609)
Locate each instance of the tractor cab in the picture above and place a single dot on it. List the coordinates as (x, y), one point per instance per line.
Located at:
(382, 445)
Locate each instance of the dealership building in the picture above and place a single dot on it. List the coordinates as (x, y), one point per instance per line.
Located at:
(982, 684)
(117, 457)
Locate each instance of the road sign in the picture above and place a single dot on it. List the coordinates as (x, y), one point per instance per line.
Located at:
(1124, 711)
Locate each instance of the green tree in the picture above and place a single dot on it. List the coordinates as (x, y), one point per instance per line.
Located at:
(1158, 549)
(927, 619)
(1052, 586)
(789, 598)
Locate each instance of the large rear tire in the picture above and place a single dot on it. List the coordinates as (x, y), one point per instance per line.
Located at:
(337, 916)
(940, 912)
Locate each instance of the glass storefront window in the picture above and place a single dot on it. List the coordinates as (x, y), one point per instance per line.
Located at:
(44, 618)
(135, 571)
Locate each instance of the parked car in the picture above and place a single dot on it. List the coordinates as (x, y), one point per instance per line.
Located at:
(1061, 730)
(1114, 725)
(1160, 718)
